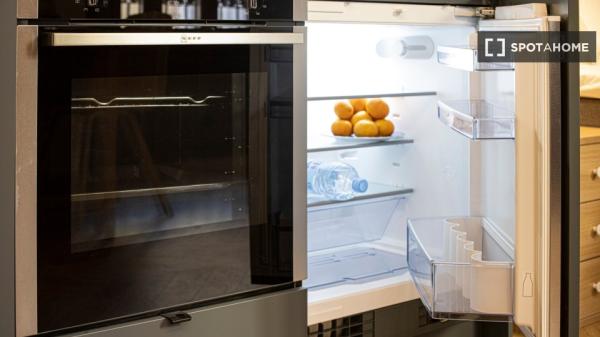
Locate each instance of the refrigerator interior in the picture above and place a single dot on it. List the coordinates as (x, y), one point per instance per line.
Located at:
(438, 169)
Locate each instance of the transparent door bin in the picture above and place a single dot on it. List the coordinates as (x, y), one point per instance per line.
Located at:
(353, 265)
(465, 58)
(348, 223)
(477, 119)
(462, 268)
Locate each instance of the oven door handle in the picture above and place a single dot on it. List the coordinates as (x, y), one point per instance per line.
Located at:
(65, 39)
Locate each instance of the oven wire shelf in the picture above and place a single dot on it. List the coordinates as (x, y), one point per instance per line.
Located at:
(140, 102)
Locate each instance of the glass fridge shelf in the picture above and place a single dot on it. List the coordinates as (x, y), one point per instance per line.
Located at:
(462, 268)
(465, 58)
(323, 144)
(477, 119)
(352, 265)
(384, 95)
(375, 190)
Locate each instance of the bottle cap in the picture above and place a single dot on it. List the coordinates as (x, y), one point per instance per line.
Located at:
(360, 185)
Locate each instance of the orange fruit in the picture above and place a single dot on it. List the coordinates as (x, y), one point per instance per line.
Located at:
(385, 127)
(359, 104)
(343, 110)
(359, 116)
(378, 108)
(366, 128)
(341, 128)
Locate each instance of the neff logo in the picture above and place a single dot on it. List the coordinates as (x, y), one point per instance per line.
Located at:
(190, 38)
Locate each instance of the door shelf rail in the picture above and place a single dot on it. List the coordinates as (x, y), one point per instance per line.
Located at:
(465, 58)
(398, 94)
(462, 268)
(477, 119)
(375, 190)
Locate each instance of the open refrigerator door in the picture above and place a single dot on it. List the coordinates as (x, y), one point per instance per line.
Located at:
(457, 206)
(537, 188)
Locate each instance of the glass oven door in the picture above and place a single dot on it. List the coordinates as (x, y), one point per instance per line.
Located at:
(165, 170)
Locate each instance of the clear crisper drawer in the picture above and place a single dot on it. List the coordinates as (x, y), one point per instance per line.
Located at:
(351, 222)
(462, 268)
(477, 119)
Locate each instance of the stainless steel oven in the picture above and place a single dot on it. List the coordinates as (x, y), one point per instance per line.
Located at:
(159, 168)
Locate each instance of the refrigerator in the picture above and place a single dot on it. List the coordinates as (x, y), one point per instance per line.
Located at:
(461, 209)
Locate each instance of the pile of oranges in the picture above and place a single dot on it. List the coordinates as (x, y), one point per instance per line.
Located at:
(363, 118)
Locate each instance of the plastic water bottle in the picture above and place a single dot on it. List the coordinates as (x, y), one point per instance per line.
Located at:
(334, 180)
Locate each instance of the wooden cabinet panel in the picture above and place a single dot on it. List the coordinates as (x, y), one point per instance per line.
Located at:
(589, 239)
(589, 182)
(589, 298)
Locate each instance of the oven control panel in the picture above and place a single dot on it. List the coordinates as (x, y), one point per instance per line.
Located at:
(93, 6)
(164, 10)
(80, 9)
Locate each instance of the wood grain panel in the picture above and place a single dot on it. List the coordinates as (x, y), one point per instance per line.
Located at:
(25, 183)
(589, 240)
(590, 326)
(589, 182)
(589, 298)
(592, 330)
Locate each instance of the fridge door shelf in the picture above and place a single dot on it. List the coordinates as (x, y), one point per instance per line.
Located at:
(352, 265)
(353, 222)
(477, 119)
(465, 58)
(462, 268)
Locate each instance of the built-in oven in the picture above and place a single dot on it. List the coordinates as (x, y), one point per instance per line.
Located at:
(158, 168)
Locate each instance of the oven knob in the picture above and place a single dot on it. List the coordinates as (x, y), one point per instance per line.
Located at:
(92, 3)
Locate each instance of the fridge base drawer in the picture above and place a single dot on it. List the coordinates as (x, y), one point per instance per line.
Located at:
(272, 315)
(462, 268)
